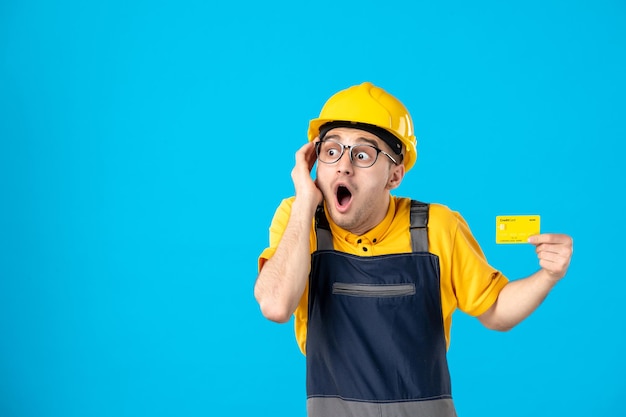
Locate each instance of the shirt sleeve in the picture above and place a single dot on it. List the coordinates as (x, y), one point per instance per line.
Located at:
(476, 283)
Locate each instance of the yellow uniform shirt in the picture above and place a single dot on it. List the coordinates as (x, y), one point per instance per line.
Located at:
(468, 282)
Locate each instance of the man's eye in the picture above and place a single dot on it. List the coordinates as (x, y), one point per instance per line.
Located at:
(333, 152)
(362, 156)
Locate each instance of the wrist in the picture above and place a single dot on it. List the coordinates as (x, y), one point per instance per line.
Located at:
(548, 277)
(307, 202)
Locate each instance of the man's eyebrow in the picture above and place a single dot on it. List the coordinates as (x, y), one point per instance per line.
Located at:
(370, 141)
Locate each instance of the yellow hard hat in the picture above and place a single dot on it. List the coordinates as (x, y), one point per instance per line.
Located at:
(370, 105)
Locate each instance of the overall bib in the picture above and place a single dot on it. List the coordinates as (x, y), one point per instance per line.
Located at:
(375, 336)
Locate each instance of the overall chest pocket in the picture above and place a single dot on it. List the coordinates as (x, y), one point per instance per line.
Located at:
(373, 290)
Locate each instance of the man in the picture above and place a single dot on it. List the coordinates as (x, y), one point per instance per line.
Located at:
(373, 279)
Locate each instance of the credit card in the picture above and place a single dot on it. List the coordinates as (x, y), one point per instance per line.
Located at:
(516, 229)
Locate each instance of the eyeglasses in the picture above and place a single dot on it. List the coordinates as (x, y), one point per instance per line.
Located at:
(362, 156)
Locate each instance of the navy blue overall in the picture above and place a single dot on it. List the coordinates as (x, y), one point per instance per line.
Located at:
(375, 336)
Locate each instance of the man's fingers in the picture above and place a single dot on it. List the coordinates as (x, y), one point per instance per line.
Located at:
(554, 263)
(554, 252)
(306, 154)
(552, 242)
(554, 256)
(551, 238)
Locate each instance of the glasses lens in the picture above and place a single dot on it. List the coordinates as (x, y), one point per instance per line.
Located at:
(364, 156)
(329, 152)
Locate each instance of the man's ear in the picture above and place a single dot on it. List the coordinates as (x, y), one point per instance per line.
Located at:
(396, 175)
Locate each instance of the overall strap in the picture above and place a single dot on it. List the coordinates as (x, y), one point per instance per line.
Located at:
(322, 230)
(419, 229)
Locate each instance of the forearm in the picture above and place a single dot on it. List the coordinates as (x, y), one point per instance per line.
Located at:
(283, 278)
(517, 300)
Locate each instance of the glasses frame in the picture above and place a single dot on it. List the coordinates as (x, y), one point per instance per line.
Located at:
(350, 147)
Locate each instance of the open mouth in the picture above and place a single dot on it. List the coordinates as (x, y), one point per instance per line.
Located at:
(343, 196)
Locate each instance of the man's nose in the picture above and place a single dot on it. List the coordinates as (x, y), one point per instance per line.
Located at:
(344, 164)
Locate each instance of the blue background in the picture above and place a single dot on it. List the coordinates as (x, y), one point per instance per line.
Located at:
(145, 145)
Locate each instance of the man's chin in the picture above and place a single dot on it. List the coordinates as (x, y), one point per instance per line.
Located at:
(343, 220)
